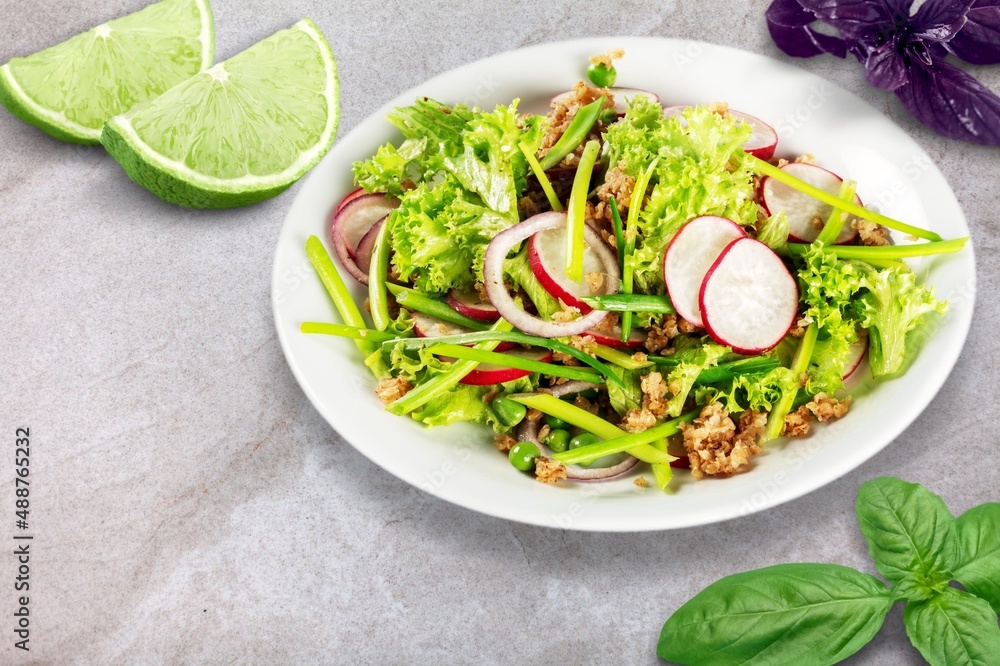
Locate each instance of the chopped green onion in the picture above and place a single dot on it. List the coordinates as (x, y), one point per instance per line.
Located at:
(625, 442)
(516, 362)
(835, 222)
(727, 371)
(574, 135)
(581, 418)
(630, 303)
(378, 301)
(616, 222)
(577, 209)
(519, 338)
(619, 358)
(415, 300)
(832, 200)
(776, 419)
(879, 253)
(634, 207)
(540, 176)
(662, 472)
(446, 381)
(341, 298)
(342, 331)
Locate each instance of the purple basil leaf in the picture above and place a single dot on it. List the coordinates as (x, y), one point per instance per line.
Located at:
(789, 24)
(886, 68)
(952, 103)
(979, 41)
(859, 19)
(939, 20)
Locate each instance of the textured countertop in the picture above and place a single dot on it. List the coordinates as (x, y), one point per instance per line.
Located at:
(188, 503)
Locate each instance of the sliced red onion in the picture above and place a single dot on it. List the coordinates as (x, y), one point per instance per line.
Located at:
(493, 274)
(363, 254)
(527, 431)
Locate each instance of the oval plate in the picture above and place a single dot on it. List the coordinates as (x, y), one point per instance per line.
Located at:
(459, 463)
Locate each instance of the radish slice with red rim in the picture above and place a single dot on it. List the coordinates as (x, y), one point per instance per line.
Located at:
(801, 209)
(691, 252)
(547, 257)
(497, 251)
(486, 374)
(749, 300)
(858, 351)
(763, 141)
(349, 197)
(613, 338)
(349, 224)
(470, 304)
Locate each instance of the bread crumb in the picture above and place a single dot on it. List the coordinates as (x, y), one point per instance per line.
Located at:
(607, 57)
(660, 335)
(715, 446)
(641, 482)
(871, 233)
(595, 281)
(548, 470)
(638, 420)
(826, 408)
(504, 443)
(391, 389)
(654, 393)
(684, 326)
(797, 423)
(568, 313)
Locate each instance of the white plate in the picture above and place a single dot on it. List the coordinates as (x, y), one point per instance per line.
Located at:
(459, 463)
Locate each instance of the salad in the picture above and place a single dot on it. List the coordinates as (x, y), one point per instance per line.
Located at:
(617, 283)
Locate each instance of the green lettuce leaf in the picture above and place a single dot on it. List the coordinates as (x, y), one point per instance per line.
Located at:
(518, 268)
(774, 232)
(893, 306)
(458, 174)
(703, 170)
(758, 392)
(684, 375)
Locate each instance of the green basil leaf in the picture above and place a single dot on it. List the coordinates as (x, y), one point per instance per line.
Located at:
(785, 614)
(909, 530)
(954, 628)
(978, 566)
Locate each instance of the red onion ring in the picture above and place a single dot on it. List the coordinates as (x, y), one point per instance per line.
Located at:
(495, 289)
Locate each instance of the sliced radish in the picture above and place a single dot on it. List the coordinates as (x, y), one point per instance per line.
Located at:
(349, 224)
(485, 374)
(349, 197)
(426, 326)
(675, 110)
(690, 254)
(547, 256)
(858, 351)
(763, 140)
(749, 300)
(493, 273)
(470, 304)
(801, 209)
(363, 253)
(614, 338)
(621, 95)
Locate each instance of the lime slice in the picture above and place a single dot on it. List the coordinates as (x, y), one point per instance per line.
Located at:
(71, 89)
(238, 133)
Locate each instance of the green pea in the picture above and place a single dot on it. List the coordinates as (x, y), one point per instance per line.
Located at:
(557, 440)
(601, 75)
(523, 455)
(608, 116)
(553, 422)
(583, 439)
(508, 412)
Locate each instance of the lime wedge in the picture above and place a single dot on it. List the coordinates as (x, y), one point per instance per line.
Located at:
(71, 89)
(238, 133)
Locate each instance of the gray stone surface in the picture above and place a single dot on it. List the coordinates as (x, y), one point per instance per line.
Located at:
(191, 506)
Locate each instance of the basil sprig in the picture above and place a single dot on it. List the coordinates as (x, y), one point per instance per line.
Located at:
(823, 613)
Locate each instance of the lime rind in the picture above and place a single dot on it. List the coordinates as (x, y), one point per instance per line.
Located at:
(84, 73)
(176, 182)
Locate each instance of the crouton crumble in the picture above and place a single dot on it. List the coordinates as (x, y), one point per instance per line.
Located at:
(504, 443)
(638, 420)
(548, 470)
(607, 57)
(641, 482)
(654, 394)
(391, 389)
(564, 110)
(715, 446)
(870, 232)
